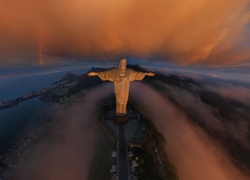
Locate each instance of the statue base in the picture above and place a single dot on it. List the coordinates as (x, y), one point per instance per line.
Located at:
(121, 118)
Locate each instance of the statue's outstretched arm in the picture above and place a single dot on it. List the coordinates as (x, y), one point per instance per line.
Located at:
(104, 75)
(93, 74)
(138, 76)
(150, 74)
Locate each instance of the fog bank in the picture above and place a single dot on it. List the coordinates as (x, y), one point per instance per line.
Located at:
(195, 155)
(66, 151)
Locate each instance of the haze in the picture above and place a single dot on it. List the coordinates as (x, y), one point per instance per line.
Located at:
(187, 32)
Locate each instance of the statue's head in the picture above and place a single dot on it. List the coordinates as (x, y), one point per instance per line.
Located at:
(122, 64)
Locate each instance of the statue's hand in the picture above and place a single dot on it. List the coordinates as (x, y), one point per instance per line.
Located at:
(92, 74)
(150, 74)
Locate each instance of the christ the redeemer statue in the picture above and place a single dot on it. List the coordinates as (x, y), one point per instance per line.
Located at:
(121, 77)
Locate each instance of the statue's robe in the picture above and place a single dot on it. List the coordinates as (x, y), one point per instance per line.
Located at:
(121, 81)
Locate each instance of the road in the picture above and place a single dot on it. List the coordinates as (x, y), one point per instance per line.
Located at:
(123, 161)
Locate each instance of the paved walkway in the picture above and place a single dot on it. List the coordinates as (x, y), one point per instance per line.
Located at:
(123, 160)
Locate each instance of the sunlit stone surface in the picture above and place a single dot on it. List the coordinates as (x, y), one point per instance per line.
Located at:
(121, 77)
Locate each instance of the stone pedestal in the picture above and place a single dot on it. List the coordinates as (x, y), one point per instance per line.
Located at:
(121, 118)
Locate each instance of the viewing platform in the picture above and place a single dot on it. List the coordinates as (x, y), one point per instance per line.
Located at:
(130, 133)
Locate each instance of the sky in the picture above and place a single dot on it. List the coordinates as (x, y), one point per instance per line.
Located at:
(184, 32)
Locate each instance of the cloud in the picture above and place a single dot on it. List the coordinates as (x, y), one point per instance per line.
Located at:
(235, 127)
(66, 151)
(194, 31)
(195, 155)
(239, 93)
